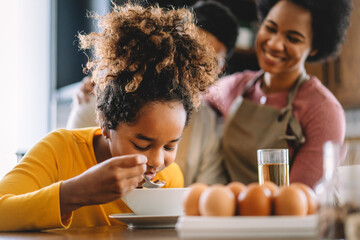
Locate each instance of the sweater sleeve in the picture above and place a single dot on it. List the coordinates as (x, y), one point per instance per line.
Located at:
(34, 210)
(29, 194)
(324, 122)
(222, 93)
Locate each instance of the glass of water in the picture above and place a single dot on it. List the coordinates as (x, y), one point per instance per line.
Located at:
(273, 165)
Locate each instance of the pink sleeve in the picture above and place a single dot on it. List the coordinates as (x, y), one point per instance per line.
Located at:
(224, 91)
(320, 124)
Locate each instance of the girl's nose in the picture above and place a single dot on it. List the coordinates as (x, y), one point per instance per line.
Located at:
(156, 159)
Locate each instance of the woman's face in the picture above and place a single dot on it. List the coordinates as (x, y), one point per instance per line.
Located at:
(156, 135)
(284, 39)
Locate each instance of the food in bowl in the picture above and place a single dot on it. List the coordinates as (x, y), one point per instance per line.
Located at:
(159, 182)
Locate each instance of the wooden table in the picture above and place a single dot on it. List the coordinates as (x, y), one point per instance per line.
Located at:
(114, 232)
(99, 233)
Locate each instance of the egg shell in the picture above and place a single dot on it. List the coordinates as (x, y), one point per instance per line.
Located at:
(290, 200)
(272, 186)
(191, 199)
(236, 188)
(273, 189)
(255, 200)
(310, 195)
(217, 200)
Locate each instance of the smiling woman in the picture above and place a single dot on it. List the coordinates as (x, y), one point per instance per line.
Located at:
(282, 106)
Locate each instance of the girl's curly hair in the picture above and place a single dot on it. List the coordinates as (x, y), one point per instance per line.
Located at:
(144, 55)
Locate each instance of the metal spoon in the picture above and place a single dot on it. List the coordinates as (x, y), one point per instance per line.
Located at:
(150, 184)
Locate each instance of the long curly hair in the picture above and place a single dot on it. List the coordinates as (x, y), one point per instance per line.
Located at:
(330, 19)
(144, 55)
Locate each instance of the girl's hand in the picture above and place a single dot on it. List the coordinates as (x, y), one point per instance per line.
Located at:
(102, 183)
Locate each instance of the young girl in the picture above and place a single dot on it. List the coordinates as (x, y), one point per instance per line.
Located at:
(149, 66)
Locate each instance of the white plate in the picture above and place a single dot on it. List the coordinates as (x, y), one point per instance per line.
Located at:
(230, 227)
(146, 221)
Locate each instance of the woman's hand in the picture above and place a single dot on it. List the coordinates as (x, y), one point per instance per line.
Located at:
(86, 88)
(102, 183)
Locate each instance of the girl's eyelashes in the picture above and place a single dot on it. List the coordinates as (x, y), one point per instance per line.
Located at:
(141, 148)
(148, 147)
(170, 148)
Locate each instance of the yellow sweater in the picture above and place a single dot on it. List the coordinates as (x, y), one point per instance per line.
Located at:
(29, 194)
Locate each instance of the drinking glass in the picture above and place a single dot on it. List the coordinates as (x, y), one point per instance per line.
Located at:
(273, 165)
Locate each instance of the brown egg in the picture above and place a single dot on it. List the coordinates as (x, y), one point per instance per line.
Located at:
(310, 195)
(191, 199)
(217, 200)
(290, 200)
(271, 186)
(273, 189)
(236, 188)
(255, 200)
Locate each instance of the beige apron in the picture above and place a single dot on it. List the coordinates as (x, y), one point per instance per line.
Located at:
(251, 126)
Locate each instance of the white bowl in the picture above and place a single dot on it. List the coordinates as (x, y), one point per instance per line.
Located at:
(156, 201)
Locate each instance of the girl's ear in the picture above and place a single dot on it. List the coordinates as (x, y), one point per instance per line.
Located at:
(105, 133)
(313, 52)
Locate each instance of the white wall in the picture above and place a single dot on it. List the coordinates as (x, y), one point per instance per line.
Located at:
(9, 83)
(34, 72)
(25, 74)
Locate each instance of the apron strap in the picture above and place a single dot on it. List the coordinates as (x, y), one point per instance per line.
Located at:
(252, 82)
(294, 125)
(302, 78)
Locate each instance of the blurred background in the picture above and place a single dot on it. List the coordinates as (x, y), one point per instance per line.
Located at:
(41, 66)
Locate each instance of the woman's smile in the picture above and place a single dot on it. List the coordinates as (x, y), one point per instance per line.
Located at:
(272, 59)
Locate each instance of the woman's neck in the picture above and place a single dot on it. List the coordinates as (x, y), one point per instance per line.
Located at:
(279, 82)
(101, 148)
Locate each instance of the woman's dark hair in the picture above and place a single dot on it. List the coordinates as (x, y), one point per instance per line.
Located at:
(218, 20)
(145, 55)
(330, 19)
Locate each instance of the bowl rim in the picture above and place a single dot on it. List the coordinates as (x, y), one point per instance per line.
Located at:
(158, 189)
